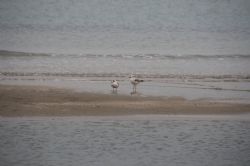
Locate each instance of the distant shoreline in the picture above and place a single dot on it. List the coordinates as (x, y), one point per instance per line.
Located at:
(18, 101)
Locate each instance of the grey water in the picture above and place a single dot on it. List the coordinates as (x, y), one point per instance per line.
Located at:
(118, 27)
(158, 141)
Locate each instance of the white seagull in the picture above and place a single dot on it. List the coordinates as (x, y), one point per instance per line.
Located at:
(134, 81)
(114, 84)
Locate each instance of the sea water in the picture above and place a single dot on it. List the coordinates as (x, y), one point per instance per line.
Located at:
(116, 27)
(136, 140)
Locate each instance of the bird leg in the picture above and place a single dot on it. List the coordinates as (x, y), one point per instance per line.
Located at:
(134, 88)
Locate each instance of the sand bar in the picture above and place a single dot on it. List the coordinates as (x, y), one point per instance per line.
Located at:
(18, 101)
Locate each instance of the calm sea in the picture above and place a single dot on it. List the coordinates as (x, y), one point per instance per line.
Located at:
(177, 27)
(143, 141)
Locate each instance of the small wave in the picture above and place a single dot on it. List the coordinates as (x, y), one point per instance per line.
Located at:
(146, 77)
(125, 56)
(18, 54)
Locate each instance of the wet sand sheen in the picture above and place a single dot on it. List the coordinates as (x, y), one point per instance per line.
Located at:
(47, 101)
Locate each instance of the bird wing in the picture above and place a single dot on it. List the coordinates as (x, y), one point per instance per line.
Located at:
(138, 80)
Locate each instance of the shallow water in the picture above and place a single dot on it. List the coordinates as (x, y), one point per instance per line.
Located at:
(170, 140)
(218, 91)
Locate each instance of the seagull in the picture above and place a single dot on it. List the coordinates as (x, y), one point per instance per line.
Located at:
(134, 81)
(114, 84)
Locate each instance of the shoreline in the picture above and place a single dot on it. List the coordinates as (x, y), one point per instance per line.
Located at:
(19, 101)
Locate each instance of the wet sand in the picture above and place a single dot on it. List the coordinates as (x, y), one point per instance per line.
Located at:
(48, 101)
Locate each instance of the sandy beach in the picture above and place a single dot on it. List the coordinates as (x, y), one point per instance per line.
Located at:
(48, 101)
